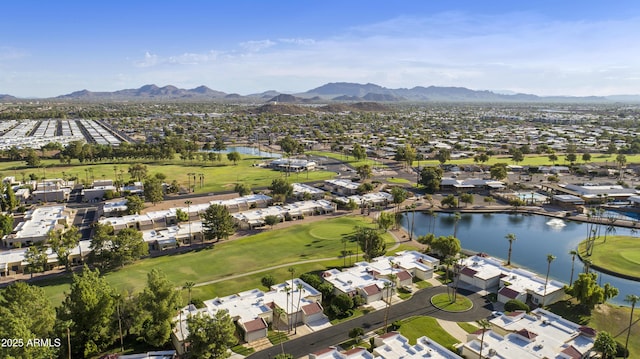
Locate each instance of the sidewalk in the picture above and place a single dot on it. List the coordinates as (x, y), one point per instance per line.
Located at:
(454, 330)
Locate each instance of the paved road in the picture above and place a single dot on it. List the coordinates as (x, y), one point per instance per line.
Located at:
(419, 304)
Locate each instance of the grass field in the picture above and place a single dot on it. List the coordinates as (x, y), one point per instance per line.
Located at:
(620, 254)
(322, 239)
(416, 327)
(606, 317)
(218, 176)
(352, 161)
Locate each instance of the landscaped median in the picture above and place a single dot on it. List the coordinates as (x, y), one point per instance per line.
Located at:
(443, 301)
(618, 255)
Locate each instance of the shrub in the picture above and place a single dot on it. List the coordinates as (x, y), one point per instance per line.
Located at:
(268, 281)
(514, 304)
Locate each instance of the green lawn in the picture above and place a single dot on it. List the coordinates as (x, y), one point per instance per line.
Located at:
(469, 328)
(350, 160)
(442, 301)
(619, 254)
(316, 240)
(416, 327)
(606, 317)
(218, 176)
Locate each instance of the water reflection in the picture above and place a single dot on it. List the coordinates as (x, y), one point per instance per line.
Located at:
(536, 238)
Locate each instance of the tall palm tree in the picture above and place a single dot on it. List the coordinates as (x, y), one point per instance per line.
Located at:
(456, 219)
(278, 314)
(633, 299)
(389, 287)
(511, 238)
(587, 265)
(299, 287)
(484, 325)
(188, 203)
(188, 286)
(292, 271)
(573, 254)
(550, 258)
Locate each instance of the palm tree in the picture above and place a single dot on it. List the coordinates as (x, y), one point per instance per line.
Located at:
(484, 325)
(292, 271)
(573, 254)
(633, 299)
(188, 203)
(344, 251)
(550, 258)
(587, 264)
(611, 228)
(456, 219)
(299, 287)
(511, 238)
(188, 286)
(279, 313)
(388, 286)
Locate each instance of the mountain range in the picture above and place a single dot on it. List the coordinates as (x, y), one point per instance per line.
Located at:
(336, 92)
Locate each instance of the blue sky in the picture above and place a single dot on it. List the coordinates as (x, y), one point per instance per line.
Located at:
(49, 48)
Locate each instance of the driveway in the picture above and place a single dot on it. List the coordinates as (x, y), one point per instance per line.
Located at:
(419, 304)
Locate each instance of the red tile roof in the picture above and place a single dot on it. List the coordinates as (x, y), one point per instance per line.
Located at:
(404, 275)
(312, 308)
(572, 352)
(468, 271)
(371, 289)
(527, 334)
(354, 351)
(509, 293)
(255, 325)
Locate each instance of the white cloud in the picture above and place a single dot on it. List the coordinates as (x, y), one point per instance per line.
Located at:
(257, 45)
(148, 61)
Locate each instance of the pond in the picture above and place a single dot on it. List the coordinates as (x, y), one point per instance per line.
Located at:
(253, 151)
(536, 236)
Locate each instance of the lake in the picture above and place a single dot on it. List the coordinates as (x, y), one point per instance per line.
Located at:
(252, 151)
(536, 236)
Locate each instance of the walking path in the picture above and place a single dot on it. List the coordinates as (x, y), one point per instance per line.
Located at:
(454, 329)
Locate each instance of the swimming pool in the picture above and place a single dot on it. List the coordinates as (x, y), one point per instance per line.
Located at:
(531, 197)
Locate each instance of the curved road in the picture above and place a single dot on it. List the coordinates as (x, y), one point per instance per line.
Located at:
(418, 304)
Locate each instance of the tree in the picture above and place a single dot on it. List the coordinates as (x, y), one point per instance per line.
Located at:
(356, 333)
(443, 156)
(182, 216)
(101, 245)
(399, 195)
(10, 198)
(517, 156)
(188, 286)
(341, 304)
(550, 258)
(633, 299)
(290, 146)
(234, 157)
(498, 171)
(268, 281)
(211, 336)
(587, 291)
(36, 258)
(271, 220)
(217, 223)
(158, 303)
(153, 190)
(573, 254)
(364, 171)
(26, 313)
(242, 189)
(138, 171)
(484, 326)
(89, 308)
(605, 344)
(62, 242)
(371, 242)
(127, 246)
(280, 186)
(466, 198)
(553, 158)
(32, 158)
(386, 220)
(511, 238)
(586, 157)
(358, 152)
(430, 178)
(135, 204)
(446, 246)
(450, 200)
(6, 224)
